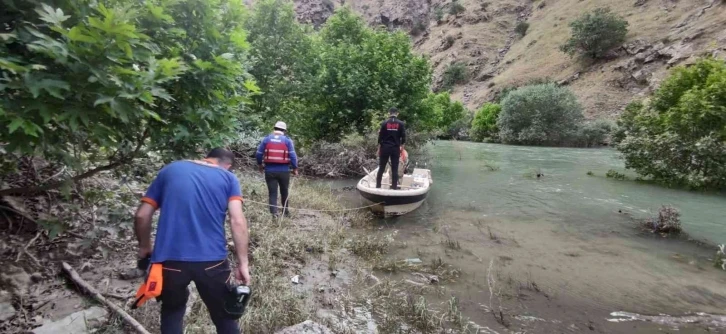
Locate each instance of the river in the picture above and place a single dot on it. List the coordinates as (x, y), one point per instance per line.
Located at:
(568, 238)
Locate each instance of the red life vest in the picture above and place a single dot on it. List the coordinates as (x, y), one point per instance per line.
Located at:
(276, 151)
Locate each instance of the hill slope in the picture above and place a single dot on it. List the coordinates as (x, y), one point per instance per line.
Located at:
(662, 33)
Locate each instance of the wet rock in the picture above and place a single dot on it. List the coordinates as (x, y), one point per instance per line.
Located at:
(80, 322)
(7, 311)
(307, 327)
(17, 279)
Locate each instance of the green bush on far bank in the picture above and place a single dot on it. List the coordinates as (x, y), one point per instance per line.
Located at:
(484, 125)
(679, 136)
(542, 114)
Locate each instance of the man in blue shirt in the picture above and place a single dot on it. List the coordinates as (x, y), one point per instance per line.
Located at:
(194, 198)
(277, 153)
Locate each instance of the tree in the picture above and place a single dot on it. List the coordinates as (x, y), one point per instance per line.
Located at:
(542, 114)
(679, 136)
(439, 112)
(362, 72)
(281, 57)
(93, 87)
(484, 124)
(595, 33)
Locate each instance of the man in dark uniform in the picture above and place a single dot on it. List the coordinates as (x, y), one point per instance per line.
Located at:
(391, 140)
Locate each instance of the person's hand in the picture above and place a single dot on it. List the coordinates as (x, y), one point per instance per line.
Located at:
(143, 252)
(242, 274)
(379, 152)
(294, 172)
(261, 168)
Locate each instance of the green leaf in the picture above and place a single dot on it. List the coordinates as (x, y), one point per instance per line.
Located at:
(76, 34)
(102, 100)
(52, 86)
(15, 124)
(47, 14)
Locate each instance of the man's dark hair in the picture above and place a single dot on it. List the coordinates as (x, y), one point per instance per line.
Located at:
(221, 154)
(393, 111)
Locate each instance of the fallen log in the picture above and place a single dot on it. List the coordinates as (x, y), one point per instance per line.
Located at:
(73, 275)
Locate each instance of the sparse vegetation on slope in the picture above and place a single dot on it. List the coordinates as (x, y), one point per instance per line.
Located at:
(595, 33)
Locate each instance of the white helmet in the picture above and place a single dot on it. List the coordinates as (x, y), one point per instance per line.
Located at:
(281, 125)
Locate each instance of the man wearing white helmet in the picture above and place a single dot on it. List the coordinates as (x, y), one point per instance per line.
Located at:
(274, 157)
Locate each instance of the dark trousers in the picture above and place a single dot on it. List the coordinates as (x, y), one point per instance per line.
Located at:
(210, 279)
(393, 154)
(273, 180)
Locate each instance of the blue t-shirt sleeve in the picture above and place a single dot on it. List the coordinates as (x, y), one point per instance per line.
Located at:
(155, 194)
(235, 190)
(260, 151)
(291, 152)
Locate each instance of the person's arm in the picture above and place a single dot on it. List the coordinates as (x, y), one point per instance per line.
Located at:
(260, 152)
(380, 137)
(403, 135)
(293, 155)
(145, 212)
(240, 233)
(142, 228)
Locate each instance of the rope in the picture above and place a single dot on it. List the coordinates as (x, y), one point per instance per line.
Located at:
(336, 210)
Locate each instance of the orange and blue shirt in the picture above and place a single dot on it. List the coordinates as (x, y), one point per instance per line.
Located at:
(193, 198)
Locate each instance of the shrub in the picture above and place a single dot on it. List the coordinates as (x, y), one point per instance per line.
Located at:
(440, 113)
(454, 74)
(678, 137)
(456, 8)
(595, 33)
(668, 221)
(419, 26)
(613, 174)
(439, 14)
(539, 115)
(521, 28)
(594, 133)
(484, 124)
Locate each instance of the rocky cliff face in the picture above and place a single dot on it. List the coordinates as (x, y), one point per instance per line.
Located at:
(663, 33)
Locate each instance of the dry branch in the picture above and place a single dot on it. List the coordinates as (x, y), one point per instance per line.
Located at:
(97, 296)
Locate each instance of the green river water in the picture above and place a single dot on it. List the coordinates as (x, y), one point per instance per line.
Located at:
(572, 234)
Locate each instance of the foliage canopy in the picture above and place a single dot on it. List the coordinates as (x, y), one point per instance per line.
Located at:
(595, 33)
(543, 114)
(679, 136)
(484, 124)
(104, 81)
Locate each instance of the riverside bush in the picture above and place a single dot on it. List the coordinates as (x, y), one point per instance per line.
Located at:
(542, 114)
(595, 33)
(679, 136)
(484, 125)
(594, 133)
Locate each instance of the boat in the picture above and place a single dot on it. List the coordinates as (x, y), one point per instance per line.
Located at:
(413, 190)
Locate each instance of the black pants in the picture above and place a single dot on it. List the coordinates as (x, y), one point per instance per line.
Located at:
(392, 154)
(210, 279)
(273, 179)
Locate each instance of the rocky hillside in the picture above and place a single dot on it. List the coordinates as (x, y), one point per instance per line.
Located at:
(662, 33)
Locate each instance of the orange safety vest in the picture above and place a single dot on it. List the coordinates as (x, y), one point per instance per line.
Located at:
(152, 287)
(276, 151)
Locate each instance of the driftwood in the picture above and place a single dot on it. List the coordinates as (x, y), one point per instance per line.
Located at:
(97, 296)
